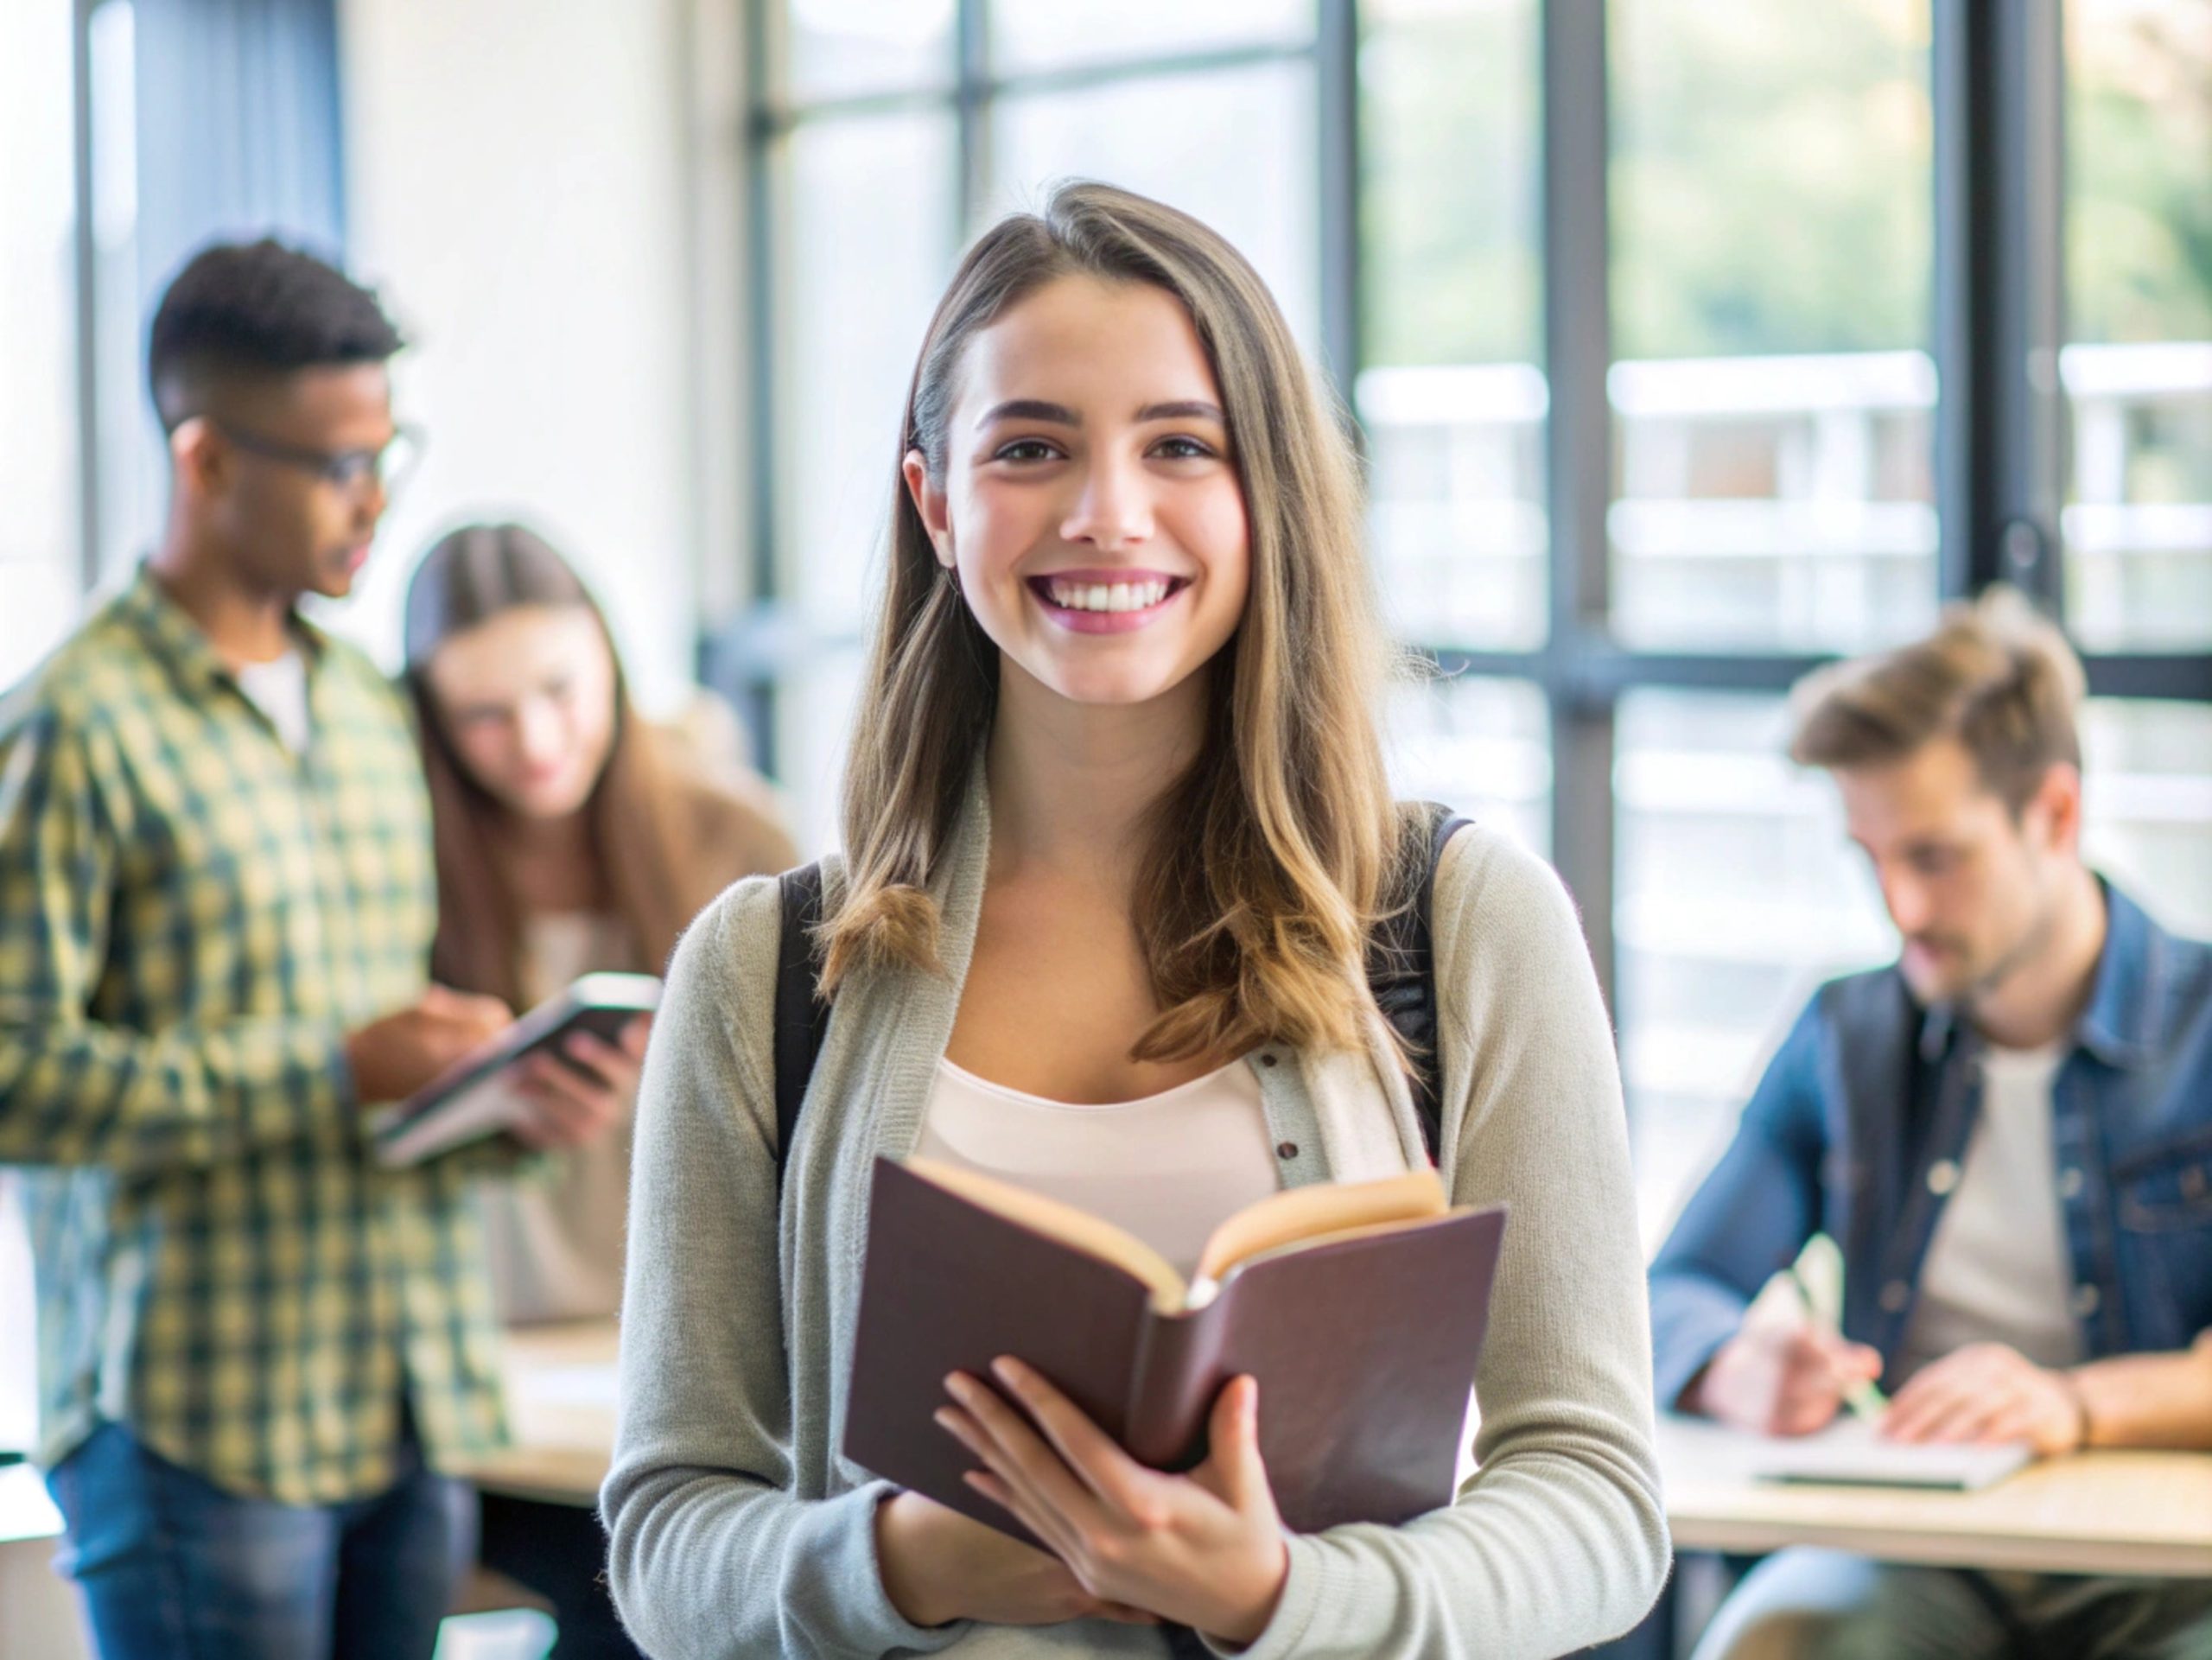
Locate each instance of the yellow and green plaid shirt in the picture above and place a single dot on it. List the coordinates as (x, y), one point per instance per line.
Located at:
(191, 917)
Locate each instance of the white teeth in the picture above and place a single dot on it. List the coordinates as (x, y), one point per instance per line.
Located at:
(1105, 597)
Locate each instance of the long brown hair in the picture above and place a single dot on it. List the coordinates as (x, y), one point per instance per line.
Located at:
(1269, 858)
(672, 828)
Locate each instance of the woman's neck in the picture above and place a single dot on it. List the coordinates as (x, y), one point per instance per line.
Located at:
(555, 864)
(1071, 784)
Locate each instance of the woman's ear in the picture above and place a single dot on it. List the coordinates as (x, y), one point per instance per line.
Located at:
(930, 502)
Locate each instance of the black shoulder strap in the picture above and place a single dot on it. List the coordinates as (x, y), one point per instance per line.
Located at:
(1401, 973)
(801, 1015)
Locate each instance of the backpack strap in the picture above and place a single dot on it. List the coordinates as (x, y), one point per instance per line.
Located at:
(801, 1016)
(1401, 973)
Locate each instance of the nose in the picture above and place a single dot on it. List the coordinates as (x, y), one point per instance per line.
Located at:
(1907, 900)
(1112, 508)
(538, 731)
(369, 500)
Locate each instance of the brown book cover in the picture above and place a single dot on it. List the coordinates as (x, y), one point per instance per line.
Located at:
(1364, 1340)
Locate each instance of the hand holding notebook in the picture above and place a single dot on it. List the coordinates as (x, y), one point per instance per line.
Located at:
(1359, 1308)
(480, 1094)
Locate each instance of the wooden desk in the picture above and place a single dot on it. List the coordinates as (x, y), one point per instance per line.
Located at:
(560, 1383)
(2093, 1513)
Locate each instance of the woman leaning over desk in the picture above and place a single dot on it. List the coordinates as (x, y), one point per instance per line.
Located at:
(571, 837)
(1115, 825)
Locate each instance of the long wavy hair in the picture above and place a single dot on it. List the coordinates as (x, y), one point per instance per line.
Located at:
(665, 841)
(1271, 855)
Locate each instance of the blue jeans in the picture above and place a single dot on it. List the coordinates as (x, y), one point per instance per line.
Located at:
(1823, 1605)
(173, 1568)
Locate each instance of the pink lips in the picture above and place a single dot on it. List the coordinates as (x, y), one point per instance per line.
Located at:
(1104, 622)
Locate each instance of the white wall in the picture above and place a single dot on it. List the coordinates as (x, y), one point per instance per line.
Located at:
(516, 176)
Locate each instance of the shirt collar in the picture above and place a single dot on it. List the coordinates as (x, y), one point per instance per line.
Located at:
(2122, 1025)
(180, 641)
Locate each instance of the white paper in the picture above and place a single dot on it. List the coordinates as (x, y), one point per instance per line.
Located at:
(1849, 1452)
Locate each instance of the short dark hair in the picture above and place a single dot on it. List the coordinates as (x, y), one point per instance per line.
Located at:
(244, 310)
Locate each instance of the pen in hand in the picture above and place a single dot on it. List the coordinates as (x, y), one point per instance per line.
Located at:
(1865, 1400)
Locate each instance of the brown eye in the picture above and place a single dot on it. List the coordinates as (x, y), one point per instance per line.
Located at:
(1181, 449)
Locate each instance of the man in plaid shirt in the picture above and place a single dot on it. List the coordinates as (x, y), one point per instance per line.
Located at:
(257, 1348)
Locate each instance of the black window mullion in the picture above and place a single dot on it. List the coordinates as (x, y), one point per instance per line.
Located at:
(741, 669)
(1999, 149)
(2183, 676)
(1337, 74)
(972, 103)
(1579, 460)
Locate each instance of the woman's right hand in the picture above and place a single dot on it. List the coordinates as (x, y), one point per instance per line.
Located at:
(577, 1099)
(938, 1566)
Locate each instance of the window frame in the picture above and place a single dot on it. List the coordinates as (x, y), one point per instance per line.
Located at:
(1998, 91)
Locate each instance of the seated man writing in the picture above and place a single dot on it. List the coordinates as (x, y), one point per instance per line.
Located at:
(2009, 1134)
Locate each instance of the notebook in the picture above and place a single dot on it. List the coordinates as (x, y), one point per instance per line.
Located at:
(1849, 1453)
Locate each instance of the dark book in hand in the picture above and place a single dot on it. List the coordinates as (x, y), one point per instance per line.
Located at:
(1359, 1308)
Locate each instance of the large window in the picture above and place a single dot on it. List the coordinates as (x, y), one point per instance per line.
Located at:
(1690, 346)
(1770, 181)
(40, 569)
(2137, 367)
(1450, 389)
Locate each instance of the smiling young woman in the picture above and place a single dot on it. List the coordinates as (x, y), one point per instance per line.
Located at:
(1116, 829)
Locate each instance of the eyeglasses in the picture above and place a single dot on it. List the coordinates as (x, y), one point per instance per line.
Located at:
(345, 470)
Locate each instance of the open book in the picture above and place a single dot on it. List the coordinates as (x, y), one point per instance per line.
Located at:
(1360, 1308)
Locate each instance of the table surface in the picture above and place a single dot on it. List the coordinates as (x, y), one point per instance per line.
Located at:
(2104, 1512)
(26, 1511)
(560, 1386)
(2093, 1513)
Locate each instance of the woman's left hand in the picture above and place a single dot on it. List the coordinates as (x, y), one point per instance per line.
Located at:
(1203, 1549)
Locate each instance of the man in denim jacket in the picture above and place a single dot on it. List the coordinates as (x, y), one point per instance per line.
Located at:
(2009, 1133)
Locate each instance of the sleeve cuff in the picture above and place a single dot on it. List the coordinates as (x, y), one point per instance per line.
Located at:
(882, 1627)
(1301, 1597)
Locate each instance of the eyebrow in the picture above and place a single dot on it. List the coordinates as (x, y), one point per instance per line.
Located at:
(1033, 408)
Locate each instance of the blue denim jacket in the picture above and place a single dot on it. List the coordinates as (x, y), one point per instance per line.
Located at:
(1859, 1125)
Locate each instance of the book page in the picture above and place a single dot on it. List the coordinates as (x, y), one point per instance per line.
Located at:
(1301, 1215)
(1306, 1213)
(1092, 1235)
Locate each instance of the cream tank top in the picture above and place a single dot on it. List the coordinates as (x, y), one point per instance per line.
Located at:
(1168, 1169)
